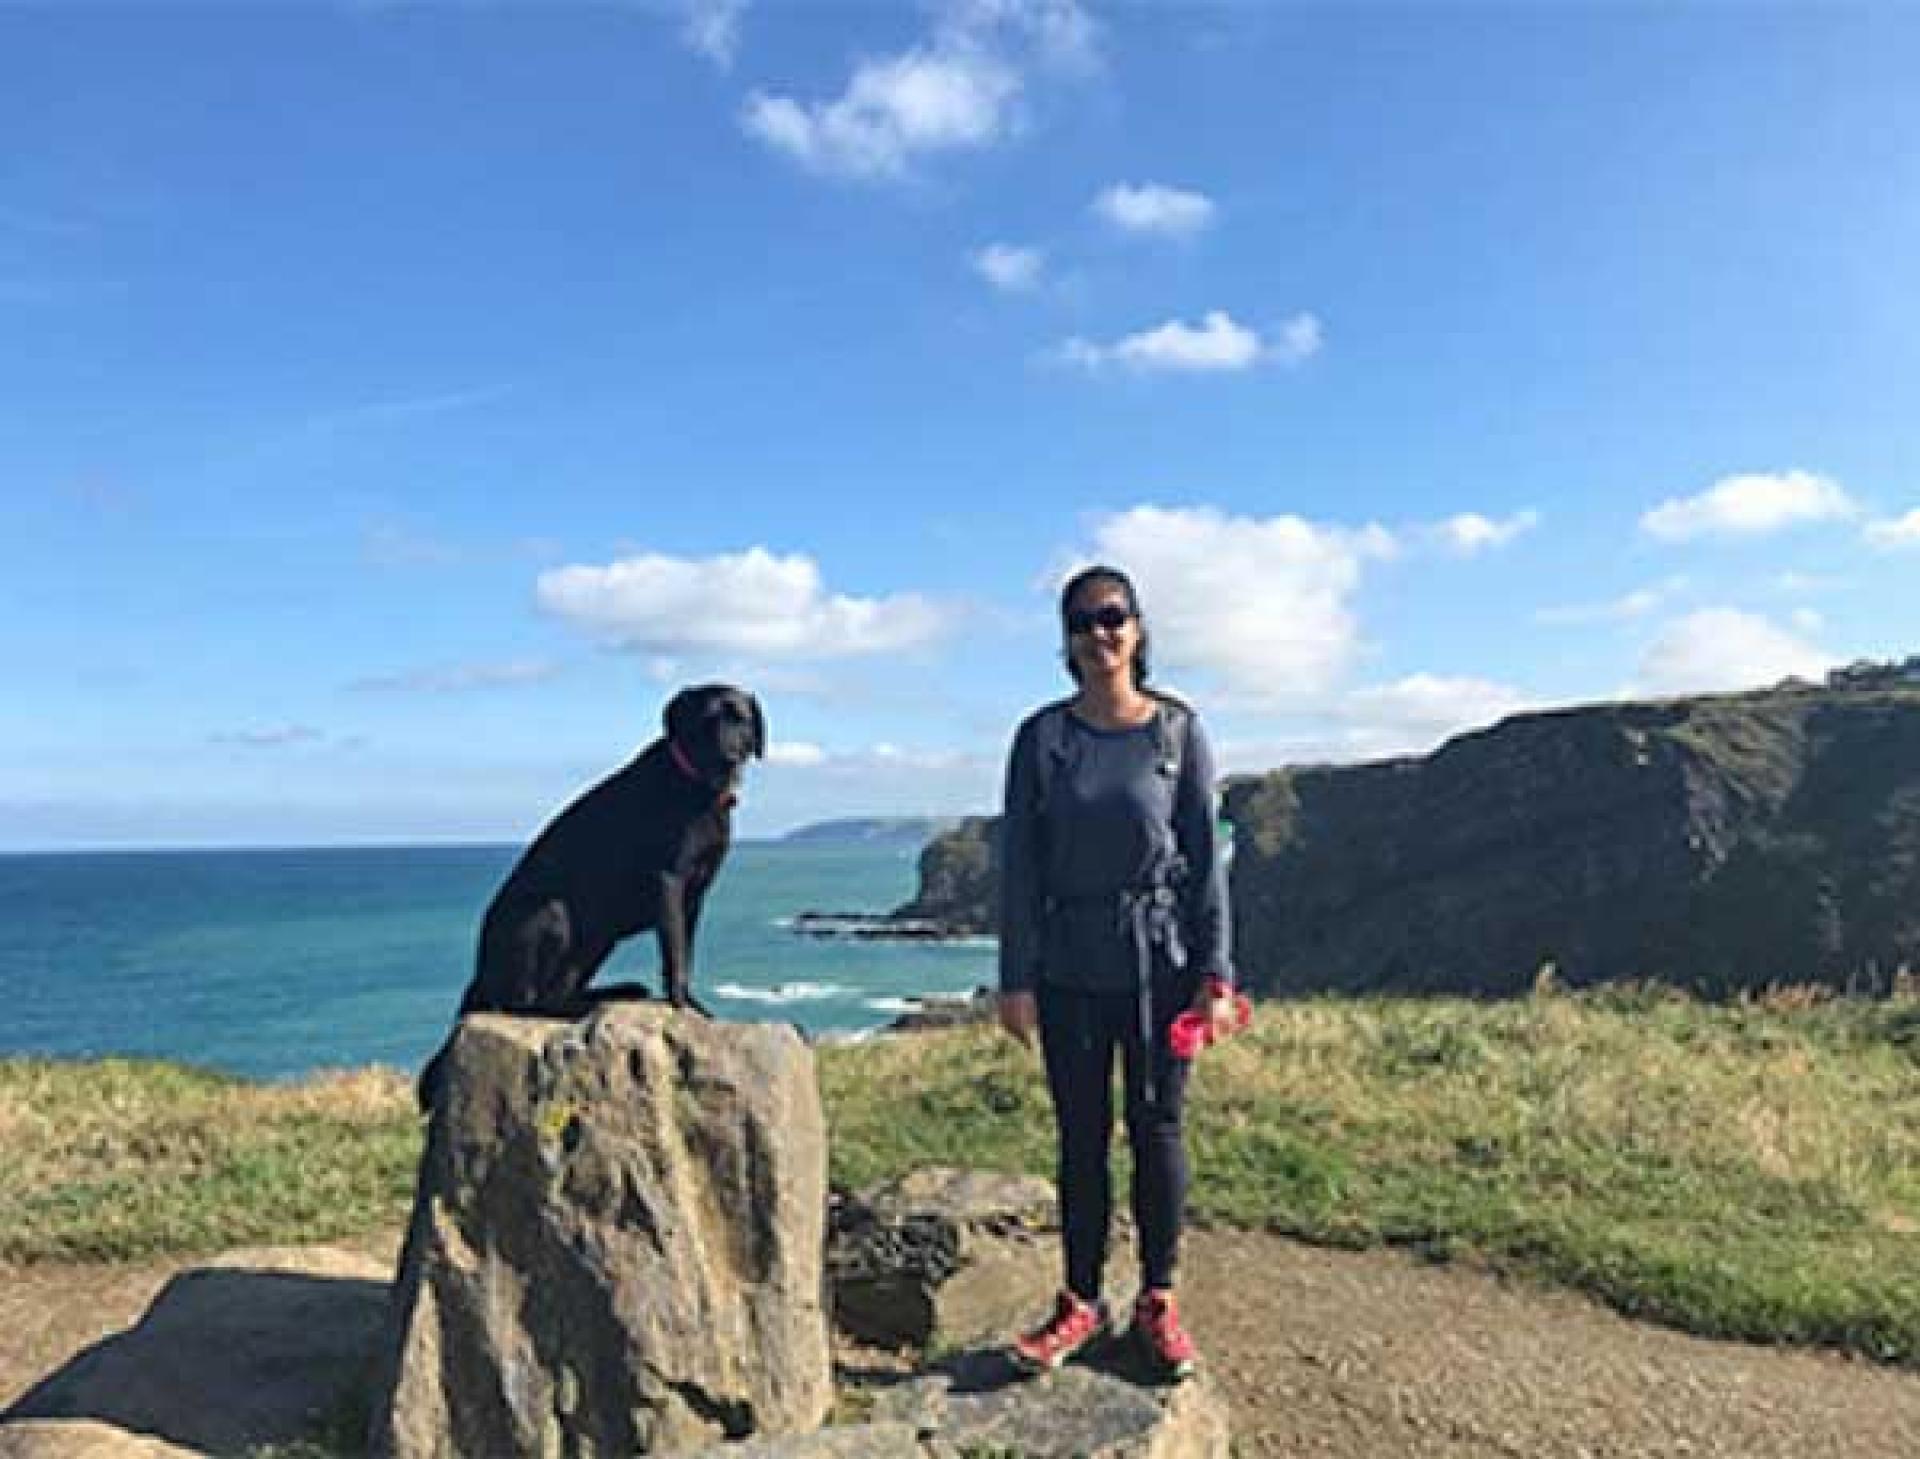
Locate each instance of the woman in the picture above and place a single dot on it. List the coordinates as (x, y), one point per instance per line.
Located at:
(1112, 923)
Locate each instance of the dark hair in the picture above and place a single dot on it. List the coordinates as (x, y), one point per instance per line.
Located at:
(1100, 573)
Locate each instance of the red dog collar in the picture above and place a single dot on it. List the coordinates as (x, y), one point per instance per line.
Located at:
(725, 797)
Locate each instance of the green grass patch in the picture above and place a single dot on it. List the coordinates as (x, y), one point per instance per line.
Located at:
(1746, 1170)
(117, 1159)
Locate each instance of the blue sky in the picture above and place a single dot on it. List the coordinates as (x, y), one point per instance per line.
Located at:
(397, 401)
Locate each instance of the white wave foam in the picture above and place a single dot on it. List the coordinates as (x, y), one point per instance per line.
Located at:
(893, 1005)
(781, 992)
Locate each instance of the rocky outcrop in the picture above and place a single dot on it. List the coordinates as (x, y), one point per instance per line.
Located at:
(959, 870)
(943, 1258)
(1719, 844)
(616, 1244)
(257, 1347)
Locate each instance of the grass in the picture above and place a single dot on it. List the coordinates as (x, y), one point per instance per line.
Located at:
(1747, 1170)
(118, 1159)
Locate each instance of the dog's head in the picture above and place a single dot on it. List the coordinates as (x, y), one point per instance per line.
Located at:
(718, 728)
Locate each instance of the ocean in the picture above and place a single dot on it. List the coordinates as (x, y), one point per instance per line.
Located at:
(273, 963)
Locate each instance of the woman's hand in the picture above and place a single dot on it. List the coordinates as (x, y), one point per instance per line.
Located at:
(1214, 1001)
(1020, 1016)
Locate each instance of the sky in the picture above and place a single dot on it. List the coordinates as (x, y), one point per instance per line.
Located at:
(399, 401)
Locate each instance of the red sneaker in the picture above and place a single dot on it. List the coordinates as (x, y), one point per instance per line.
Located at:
(1156, 1324)
(1074, 1324)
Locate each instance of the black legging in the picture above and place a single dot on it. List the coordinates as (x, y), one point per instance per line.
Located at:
(1078, 1034)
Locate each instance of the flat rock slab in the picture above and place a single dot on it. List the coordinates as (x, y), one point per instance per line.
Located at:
(1081, 1412)
(943, 1258)
(980, 1407)
(256, 1347)
(36, 1438)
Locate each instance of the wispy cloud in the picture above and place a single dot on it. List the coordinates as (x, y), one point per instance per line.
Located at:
(1470, 533)
(393, 545)
(755, 605)
(1218, 344)
(958, 90)
(404, 408)
(269, 737)
(1152, 208)
(712, 28)
(1749, 506)
(1008, 268)
(1639, 603)
(459, 678)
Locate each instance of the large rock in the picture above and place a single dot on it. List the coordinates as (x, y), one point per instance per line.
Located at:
(616, 1244)
(943, 1258)
(262, 1346)
(959, 869)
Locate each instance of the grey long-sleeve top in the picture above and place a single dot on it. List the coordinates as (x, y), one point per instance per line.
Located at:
(1115, 814)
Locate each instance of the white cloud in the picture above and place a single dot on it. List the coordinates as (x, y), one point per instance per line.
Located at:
(1216, 345)
(958, 90)
(457, 678)
(1638, 603)
(1260, 606)
(753, 604)
(1749, 506)
(1007, 267)
(712, 27)
(1723, 648)
(892, 110)
(1169, 212)
(1895, 532)
(1416, 713)
(1468, 533)
(1056, 33)
(800, 753)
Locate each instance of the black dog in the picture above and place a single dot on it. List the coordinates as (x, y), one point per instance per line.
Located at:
(638, 850)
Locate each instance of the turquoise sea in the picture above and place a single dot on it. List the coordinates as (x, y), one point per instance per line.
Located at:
(276, 962)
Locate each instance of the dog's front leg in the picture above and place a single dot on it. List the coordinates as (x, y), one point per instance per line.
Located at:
(679, 914)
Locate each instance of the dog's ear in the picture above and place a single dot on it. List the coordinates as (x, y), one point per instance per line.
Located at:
(680, 713)
(759, 727)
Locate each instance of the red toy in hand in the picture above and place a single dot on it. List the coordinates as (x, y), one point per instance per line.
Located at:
(1192, 1030)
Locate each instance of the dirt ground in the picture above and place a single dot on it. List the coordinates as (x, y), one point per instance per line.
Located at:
(1362, 1355)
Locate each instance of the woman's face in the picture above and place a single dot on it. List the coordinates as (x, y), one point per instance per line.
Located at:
(1102, 632)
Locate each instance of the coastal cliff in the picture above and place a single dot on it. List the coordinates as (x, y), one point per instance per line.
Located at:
(1715, 843)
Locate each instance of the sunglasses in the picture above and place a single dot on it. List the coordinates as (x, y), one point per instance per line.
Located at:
(1110, 616)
